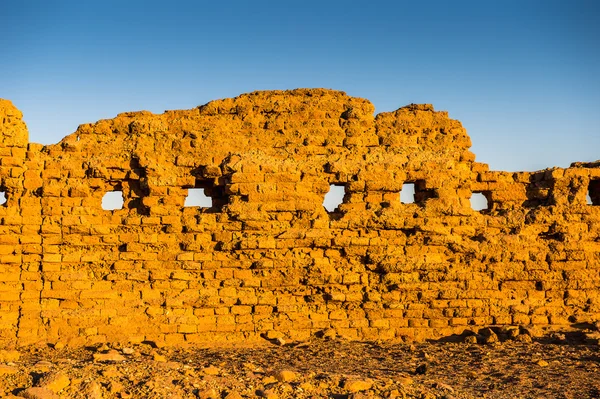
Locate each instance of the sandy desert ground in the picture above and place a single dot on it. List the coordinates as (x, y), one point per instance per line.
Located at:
(318, 368)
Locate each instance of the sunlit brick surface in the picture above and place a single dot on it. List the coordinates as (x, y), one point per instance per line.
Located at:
(267, 255)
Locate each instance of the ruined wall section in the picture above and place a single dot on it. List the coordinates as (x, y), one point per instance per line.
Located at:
(21, 218)
(266, 255)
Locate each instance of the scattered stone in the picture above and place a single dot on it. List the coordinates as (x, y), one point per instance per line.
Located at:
(103, 348)
(209, 394)
(211, 370)
(472, 375)
(284, 389)
(110, 372)
(92, 390)
(110, 356)
(115, 387)
(592, 338)
(58, 345)
(558, 338)
(491, 339)
(357, 385)
(279, 341)
(253, 367)
(307, 386)
(533, 331)
(405, 381)
(268, 394)
(43, 366)
(75, 382)
(231, 373)
(8, 370)
(38, 393)
(489, 336)
(304, 344)
(329, 333)
(513, 333)
(7, 356)
(269, 380)
(445, 387)
(128, 351)
(55, 382)
(170, 365)
(285, 376)
(273, 334)
(542, 363)
(524, 338)
(158, 357)
(486, 332)
(153, 344)
(233, 395)
(361, 395)
(421, 369)
(470, 339)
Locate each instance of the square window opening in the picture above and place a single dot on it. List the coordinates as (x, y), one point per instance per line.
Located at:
(480, 201)
(113, 200)
(334, 197)
(593, 195)
(407, 193)
(205, 195)
(197, 198)
(416, 192)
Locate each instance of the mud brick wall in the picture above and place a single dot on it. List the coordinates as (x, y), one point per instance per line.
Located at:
(267, 256)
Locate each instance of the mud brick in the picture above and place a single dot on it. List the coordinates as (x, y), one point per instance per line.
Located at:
(267, 254)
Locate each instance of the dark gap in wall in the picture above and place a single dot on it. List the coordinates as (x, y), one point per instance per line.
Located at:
(480, 201)
(334, 197)
(206, 195)
(409, 232)
(422, 193)
(137, 192)
(552, 234)
(478, 238)
(593, 195)
(136, 168)
(416, 192)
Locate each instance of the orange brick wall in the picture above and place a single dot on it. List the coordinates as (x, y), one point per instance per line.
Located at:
(268, 256)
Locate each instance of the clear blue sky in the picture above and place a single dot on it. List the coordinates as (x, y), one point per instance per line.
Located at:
(523, 76)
